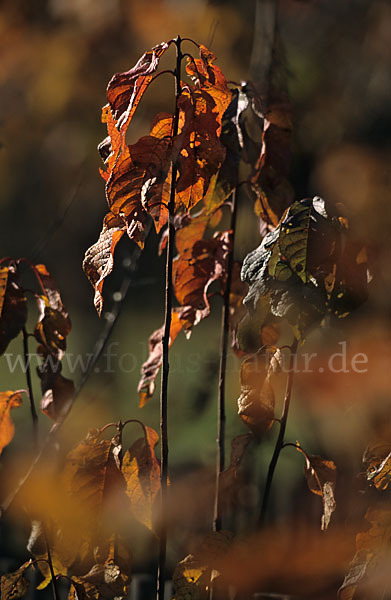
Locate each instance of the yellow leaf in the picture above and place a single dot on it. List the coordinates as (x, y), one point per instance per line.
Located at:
(8, 400)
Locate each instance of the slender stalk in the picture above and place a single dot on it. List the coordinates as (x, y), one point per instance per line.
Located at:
(221, 417)
(166, 343)
(280, 439)
(26, 360)
(50, 563)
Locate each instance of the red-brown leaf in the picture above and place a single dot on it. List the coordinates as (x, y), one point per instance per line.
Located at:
(256, 401)
(99, 259)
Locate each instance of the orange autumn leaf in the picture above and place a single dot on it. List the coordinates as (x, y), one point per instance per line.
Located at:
(141, 471)
(8, 400)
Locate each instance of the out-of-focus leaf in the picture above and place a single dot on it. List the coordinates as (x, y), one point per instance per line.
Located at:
(13, 306)
(192, 575)
(369, 572)
(377, 458)
(151, 366)
(141, 471)
(125, 90)
(307, 268)
(15, 585)
(229, 480)
(256, 401)
(99, 259)
(8, 400)
(321, 477)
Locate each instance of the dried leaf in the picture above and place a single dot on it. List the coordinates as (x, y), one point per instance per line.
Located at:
(58, 393)
(102, 582)
(125, 90)
(378, 460)
(256, 401)
(141, 471)
(15, 585)
(13, 306)
(321, 477)
(8, 400)
(99, 259)
(192, 575)
(151, 366)
(229, 481)
(369, 572)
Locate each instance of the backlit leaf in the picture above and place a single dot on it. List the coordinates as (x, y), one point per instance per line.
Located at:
(141, 471)
(8, 400)
(321, 477)
(256, 401)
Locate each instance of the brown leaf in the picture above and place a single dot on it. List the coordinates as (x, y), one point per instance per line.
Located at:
(58, 392)
(229, 481)
(102, 582)
(125, 90)
(321, 477)
(13, 306)
(256, 401)
(8, 400)
(151, 366)
(141, 471)
(369, 572)
(377, 457)
(198, 267)
(15, 585)
(99, 259)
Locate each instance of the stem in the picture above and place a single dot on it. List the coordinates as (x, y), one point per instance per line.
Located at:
(34, 415)
(166, 343)
(221, 418)
(50, 563)
(280, 440)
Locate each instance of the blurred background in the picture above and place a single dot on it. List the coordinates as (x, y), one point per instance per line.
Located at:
(56, 59)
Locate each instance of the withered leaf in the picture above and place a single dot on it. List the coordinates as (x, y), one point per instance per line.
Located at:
(125, 90)
(102, 582)
(198, 267)
(229, 481)
(15, 585)
(369, 573)
(141, 471)
(8, 400)
(321, 477)
(58, 392)
(13, 306)
(192, 575)
(377, 457)
(151, 366)
(256, 401)
(99, 259)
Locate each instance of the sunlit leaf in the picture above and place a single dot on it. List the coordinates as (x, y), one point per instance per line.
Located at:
(377, 458)
(13, 306)
(141, 471)
(15, 585)
(125, 90)
(321, 477)
(99, 259)
(102, 582)
(8, 400)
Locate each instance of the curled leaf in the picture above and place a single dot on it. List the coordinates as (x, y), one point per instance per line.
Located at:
(377, 457)
(256, 401)
(15, 585)
(321, 477)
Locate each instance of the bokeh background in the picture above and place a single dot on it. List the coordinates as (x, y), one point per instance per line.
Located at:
(56, 57)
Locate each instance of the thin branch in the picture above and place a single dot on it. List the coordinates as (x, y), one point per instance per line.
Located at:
(221, 417)
(280, 440)
(166, 343)
(33, 411)
(50, 563)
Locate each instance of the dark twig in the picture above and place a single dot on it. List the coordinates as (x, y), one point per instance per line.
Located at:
(33, 411)
(221, 418)
(166, 343)
(50, 563)
(280, 439)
